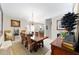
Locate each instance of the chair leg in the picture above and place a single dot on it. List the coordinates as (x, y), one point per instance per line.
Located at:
(42, 44)
(35, 47)
(22, 41)
(32, 48)
(26, 45)
(31, 51)
(39, 45)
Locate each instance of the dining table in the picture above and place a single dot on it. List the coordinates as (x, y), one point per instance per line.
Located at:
(37, 40)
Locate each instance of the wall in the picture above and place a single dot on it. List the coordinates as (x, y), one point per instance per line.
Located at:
(35, 27)
(7, 23)
(54, 26)
(76, 10)
(77, 31)
(24, 23)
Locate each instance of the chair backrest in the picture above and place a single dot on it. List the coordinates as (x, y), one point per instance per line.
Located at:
(23, 36)
(36, 34)
(29, 39)
(41, 34)
(23, 31)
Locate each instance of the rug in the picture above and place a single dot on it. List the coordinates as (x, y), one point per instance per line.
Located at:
(19, 49)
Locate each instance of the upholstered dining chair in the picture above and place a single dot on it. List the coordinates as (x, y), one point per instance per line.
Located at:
(24, 39)
(36, 33)
(31, 44)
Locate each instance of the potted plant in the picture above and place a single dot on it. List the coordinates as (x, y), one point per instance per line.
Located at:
(68, 22)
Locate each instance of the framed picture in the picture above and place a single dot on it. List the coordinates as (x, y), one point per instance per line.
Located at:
(59, 27)
(46, 27)
(15, 23)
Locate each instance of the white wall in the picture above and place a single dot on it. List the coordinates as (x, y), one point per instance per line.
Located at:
(24, 23)
(54, 26)
(7, 23)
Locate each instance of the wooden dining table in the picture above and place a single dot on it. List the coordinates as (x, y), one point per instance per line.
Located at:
(38, 39)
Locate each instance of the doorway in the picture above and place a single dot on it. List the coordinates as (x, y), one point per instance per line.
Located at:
(49, 27)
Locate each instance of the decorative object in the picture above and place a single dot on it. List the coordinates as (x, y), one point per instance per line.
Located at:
(16, 32)
(15, 23)
(68, 22)
(46, 27)
(1, 21)
(63, 34)
(59, 27)
(68, 46)
(8, 35)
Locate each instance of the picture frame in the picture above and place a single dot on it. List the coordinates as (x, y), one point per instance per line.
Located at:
(15, 23)
(46, 27)
(59, 27)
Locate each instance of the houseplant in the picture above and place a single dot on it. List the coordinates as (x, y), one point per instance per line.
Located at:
(68, 22)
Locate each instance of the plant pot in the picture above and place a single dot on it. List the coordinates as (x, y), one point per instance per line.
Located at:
(70, 38)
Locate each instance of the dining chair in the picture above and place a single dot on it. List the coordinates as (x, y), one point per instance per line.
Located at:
(24, 39)
(31, 44)
(36, 34)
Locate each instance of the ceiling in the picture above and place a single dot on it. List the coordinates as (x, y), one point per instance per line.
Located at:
(39, 11)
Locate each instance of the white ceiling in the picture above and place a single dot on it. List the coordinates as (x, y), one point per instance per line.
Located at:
(41, 11)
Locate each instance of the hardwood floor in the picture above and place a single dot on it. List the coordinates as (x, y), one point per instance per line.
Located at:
(19, 49)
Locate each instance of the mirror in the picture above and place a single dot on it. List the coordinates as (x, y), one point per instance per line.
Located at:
(1, 21)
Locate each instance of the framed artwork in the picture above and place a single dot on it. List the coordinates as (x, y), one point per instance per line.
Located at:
(46, 27)
(1, 21)
(15, 23)
(59, 27)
